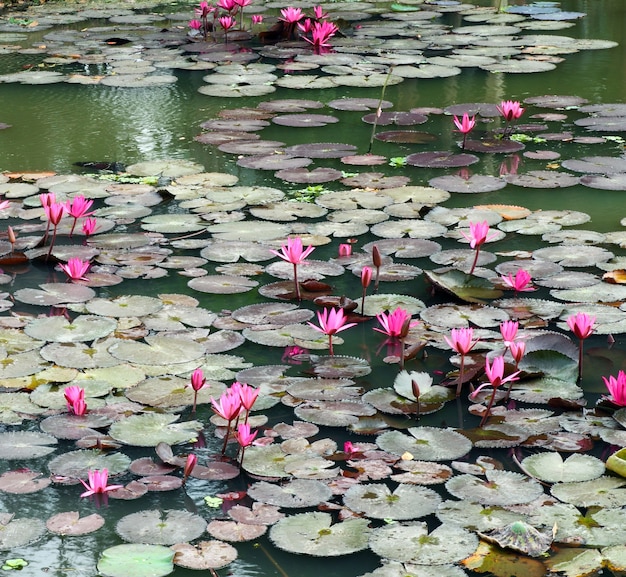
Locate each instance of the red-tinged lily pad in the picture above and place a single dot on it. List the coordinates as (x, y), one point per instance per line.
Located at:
(364, 159)
(160, 527)
(304, 176)
(543, 179)
(359, 104)
(473, 184)
(223, 138)
(501, 146)
(616, 181)
(398, 118)
(235, 532)
(22, 481)
(253, 147)
(375, 180)
(146, 466)
(493, 560)
(321, 149)
(406, 137)
(161, 482)
(204, 555)
(289, 105)
(440, 159)
(136, 560)
(304, 120)
(74, 426)
(274, 162)
(70, 523)
(258, 514)
(130, 492)
(19, 532)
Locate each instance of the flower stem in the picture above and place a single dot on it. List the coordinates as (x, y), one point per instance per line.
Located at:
(295, 280)
(488, 411)
(461, 371)
(475, 261)
(580, 360)
(330, 345)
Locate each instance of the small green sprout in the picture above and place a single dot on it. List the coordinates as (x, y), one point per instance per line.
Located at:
(213, 502)
(14, 564)
(397, 161)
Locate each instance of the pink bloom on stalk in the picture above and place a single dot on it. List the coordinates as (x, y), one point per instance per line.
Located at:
(319, 13)
(345, 249)
(244, 436)
(228, 5)
(227, 22)
(305, 26)
(228, 406)
(461, 340)
(521, 282)
(366, 276)
(321, 33)
(508, 330)
(395, 323)
(581, 325)
(243, 3)
(198, 380)
(76, 268)
(247, 394)
(479, 234)
(257, 18)
(517, 348)
(47, 198)
(78, 207)
(332, 321)
(495, 374)
(617, 388)
(291, 15)
(195, 24)
(4, 204)
(190, 463)
(98, 483)
(203, 11)
(293, 251)
(89, 226)
(54, 212)
(75, 399)
(510, 109)
(466, 124)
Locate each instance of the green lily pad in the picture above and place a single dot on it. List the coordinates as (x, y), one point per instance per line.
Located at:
(160, 527)
(77, 464)
(471, 289)
(499, 488)
(19, 532)
(426, 443)
(136, 560)
(150, 429)
(314, 534)
(552, 468)
(59, 329)
(26, 445)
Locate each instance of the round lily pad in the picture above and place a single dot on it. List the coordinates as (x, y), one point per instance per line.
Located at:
(26, 445)
(19, 532)
(204, 555)
(136, 560)
(552, 468)
(150, 429)
(314, 534)
(160, 527)
(426, 443)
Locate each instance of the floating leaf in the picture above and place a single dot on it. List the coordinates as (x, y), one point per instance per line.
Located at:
(426, 443)
(160, 527)
(204, 555)
(136, 560)
(313, 534)
(70, 523)
(149, 429)
(499, 488)
(19, 532)
(550, 467)
(26, 445)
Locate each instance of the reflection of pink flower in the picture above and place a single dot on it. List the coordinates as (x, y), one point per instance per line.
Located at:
(76, 268)
(291, 352)
(98, 483)
(617, 388)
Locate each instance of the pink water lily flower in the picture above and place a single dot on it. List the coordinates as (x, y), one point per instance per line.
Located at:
(517, 349)
(462, 342)
(244, 436)
(495, 374)
(197, 381)
(77, 208)
(478, 235)
(395, 323)
(291, 15)
(582, 327)
(508, 330)
(294, 253)
(332, 321)
(465, 125)
(76, 268)
(521, 282)
(321, 33)
(510, 109)
(89, 226)
(195, 24)
(345, 249)
(228, 407)
(98, 483)
(257, 18)
(190, 463)
(75, 399)
(617, 388)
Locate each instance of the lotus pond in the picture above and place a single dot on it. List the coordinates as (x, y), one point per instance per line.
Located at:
(201, 156)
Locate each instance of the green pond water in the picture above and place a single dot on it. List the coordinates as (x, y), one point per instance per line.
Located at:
(54, 126)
